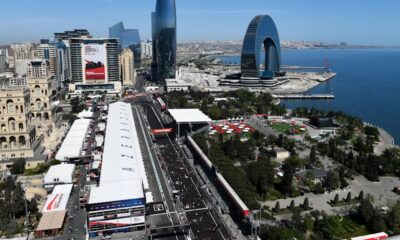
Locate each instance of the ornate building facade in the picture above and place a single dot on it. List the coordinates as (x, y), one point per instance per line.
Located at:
(17, 134)
(40, 84)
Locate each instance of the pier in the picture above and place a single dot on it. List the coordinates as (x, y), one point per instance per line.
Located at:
(304, 96)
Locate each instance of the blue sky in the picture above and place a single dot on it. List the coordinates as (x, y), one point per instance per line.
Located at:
(354, 21)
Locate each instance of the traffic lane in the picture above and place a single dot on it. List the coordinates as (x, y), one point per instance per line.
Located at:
(190, 196)
(146, 158)
(154, 185)
(76, 219)
(151, 117)
(201, 227)
(178, 173)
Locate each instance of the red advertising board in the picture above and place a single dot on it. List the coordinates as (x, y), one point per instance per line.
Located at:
(162, 131)
(94, 62)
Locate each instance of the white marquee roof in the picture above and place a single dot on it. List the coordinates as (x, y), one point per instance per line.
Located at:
(123, 175)
(73, 142)
(61, 173)
(189, 116)
(58, 199)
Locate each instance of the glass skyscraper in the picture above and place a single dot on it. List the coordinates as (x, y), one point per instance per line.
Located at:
(127, 38)
(164, 41)
(262, 31)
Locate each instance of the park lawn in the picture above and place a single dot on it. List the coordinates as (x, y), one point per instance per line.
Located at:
(351, 229)
(281, 127)
(274, 194)
(286, 128)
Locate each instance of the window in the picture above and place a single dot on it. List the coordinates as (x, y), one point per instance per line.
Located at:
(10, 106)
(37, 91)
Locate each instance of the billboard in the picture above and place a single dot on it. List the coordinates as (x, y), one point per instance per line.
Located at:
(94, 62)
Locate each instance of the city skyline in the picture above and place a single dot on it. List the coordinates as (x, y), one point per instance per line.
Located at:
(228, 19)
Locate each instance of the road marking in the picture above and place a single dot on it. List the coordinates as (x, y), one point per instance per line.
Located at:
(196, 209)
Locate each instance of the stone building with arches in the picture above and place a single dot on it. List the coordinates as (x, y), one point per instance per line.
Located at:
(18, 137)
(42, 90)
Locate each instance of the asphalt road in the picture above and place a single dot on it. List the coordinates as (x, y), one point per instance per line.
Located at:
(202, 222)
(75, 226)
(157, 180)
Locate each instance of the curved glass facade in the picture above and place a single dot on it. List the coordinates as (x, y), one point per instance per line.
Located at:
(261, 32)
(164, 40)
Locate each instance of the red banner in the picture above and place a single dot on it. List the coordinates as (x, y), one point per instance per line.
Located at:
(162, 131)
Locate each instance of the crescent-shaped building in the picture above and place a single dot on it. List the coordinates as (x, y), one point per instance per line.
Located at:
(262, 32)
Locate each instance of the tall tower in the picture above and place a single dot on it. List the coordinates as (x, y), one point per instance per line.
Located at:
(164, 34)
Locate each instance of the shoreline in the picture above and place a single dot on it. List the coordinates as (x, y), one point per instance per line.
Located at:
(384, 134)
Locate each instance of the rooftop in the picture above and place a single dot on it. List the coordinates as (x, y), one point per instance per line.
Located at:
(123, 175)
(58, 199)
(72, 145)
(189, 116)
(61, 173)
(51, 220)
(318, 173)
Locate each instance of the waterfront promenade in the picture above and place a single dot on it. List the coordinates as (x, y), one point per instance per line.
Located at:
(304, 96)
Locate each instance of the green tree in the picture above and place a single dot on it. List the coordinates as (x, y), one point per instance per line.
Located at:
(261, 175)
(342, 177)
(366, 211)
(18, 201)
(18, 166)
(329, 227)
(297, 219)
(361, 195)
(308, 223)
(32, 206)
(348, 198)
(280, 140)
(393, 217)
(336, 199)
(372, 131)
(292, 205)
(9, 184)
(313, 156)
(287, 179)
(280, 233)
(332, 181)
(11, 228)
(319, 189)
(296, 162)
(277, 207)
(70, 117)
(377, 224)
(76, 105)
(306, 204)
